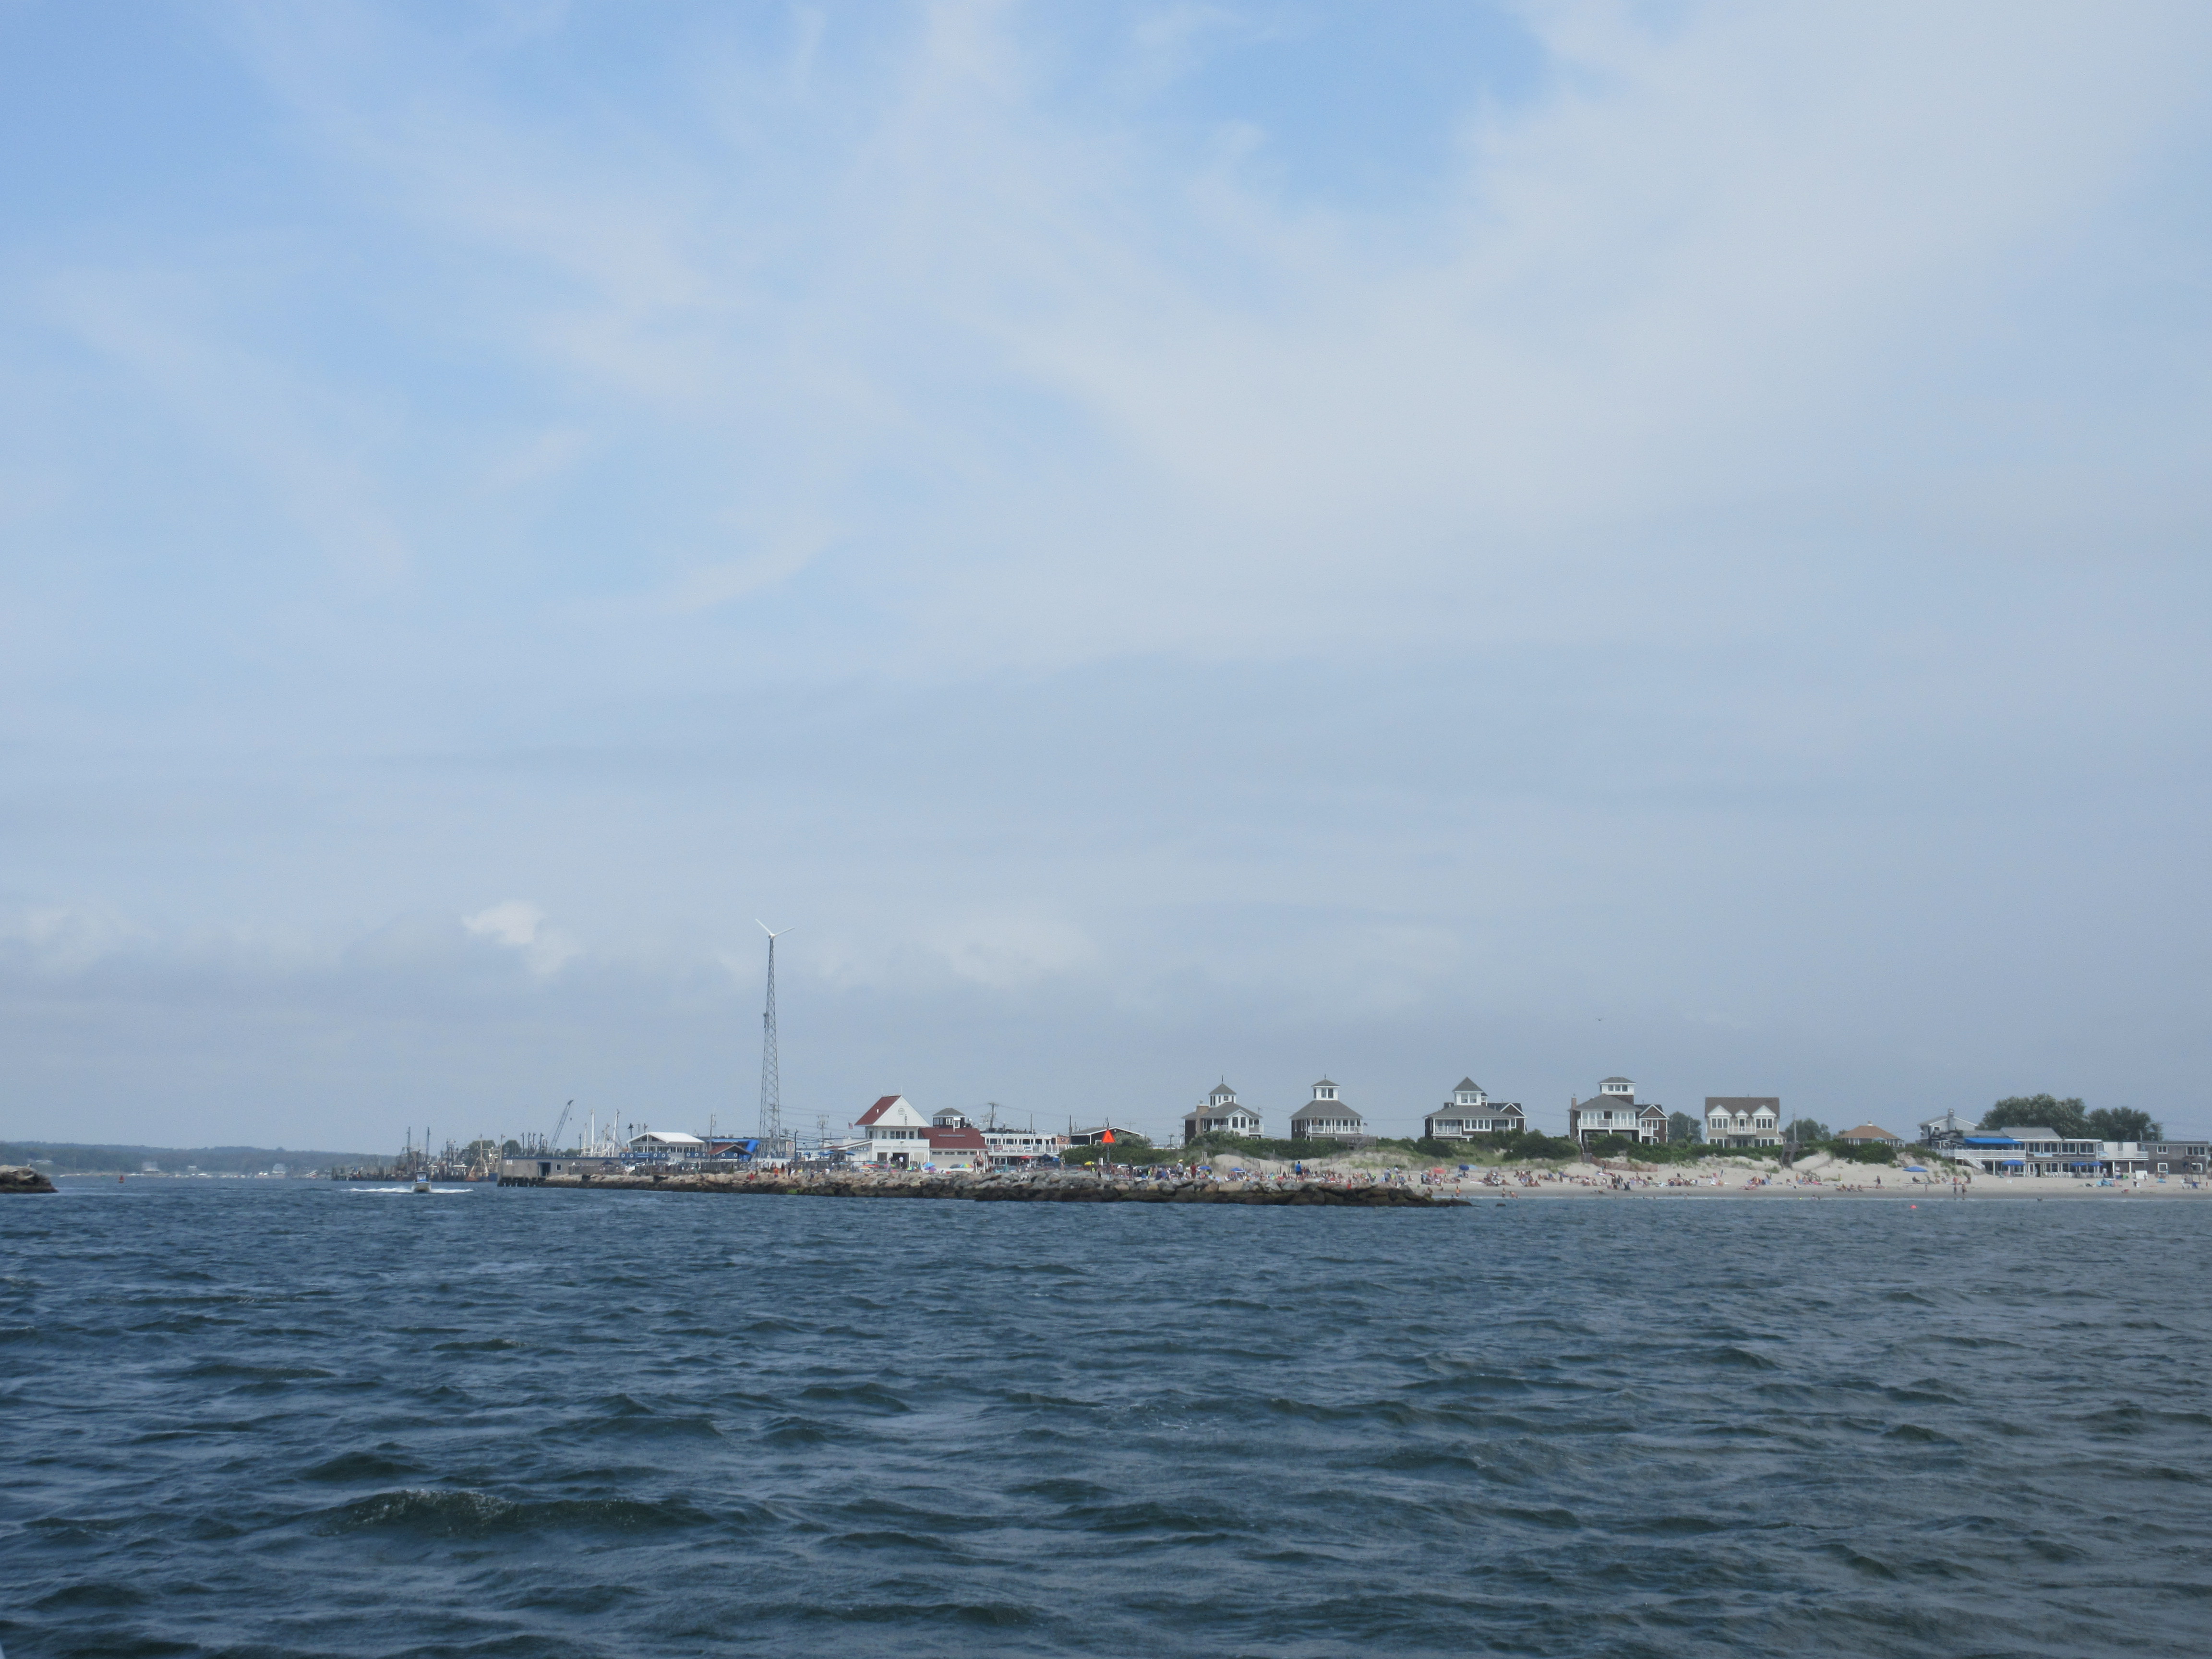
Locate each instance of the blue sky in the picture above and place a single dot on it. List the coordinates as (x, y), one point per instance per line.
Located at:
(1167, 541)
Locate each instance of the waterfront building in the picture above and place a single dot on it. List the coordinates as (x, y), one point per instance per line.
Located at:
(2031, 1150)
(898, 1133)
(1011, 1149)
(1743, 1120)
(958, 1148)
(1614, 1110)
(1326, 1117)
(1219, 1114)
(2177, 1156)
(1471, 1112)
(1940, 1134)
(1870, 1134)
(666, 1143)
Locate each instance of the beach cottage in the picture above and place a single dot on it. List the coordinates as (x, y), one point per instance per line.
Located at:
(1219, 1114)
(1328, 1117)
(1471, 1112)
(1870, 1134)
(1743, 1120)
(1614, 1110)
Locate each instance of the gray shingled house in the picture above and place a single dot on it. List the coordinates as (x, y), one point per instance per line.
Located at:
(1326, 1117)
(1219, 1114)
(1470, 1112)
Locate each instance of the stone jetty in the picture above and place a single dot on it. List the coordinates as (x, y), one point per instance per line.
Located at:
(22, 1178)
(1017, 1187)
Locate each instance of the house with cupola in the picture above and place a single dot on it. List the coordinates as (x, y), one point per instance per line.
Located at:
(1329, 1117)
(1615, 1110)
(1219, 1114)
(1470, 1112)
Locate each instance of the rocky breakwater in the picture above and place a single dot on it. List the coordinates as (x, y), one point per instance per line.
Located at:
(21, 1178)
(1009, 1186)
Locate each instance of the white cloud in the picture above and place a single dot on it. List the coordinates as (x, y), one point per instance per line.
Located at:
(1068, 391)
(521, 927)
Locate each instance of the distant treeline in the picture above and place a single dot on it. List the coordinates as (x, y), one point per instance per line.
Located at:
(65, 1157)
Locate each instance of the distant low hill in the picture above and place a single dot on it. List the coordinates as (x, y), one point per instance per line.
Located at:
(66, 1158)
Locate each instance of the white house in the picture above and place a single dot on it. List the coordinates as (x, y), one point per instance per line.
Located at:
(898, 1133)
(1219, 1114)
(1471, 1112)
(1614, 1110)
(1328, 1117)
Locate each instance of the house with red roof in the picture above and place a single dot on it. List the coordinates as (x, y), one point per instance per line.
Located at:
(898, 1133)
(960, 1148)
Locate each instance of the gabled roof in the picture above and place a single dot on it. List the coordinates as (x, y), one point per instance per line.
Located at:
(876, 1110)
(958, 1141)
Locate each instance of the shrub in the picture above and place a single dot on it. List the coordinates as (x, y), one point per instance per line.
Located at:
(1672, 1151)
(1857, 1153)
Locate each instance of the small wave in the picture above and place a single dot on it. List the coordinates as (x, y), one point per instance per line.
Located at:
(1063, 1490)
(1740, 1359)
(430, 1513)
(988, 1615)
(870, 1396)
(434, 1192)
(1912, 1434)
(99, 1593)
(357, 1466)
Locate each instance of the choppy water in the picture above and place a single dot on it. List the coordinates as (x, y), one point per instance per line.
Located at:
(277, 1419)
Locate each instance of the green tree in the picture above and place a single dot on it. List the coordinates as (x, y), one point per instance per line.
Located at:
(1682, 1127)
(2124, 1123)
(2040, 1112)
(1807, 1132)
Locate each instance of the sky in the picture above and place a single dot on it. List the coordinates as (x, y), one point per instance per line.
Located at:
(1166, 542)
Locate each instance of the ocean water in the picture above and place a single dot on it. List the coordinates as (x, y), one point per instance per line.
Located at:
(292, 1419)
